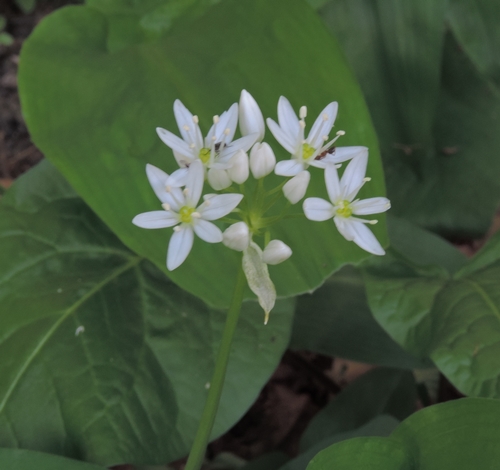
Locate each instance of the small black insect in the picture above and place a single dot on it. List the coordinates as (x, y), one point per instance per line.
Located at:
(218, 147)
(323, 154)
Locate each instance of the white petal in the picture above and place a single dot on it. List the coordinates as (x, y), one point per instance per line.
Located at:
(237, 236)
(295, 189)
(219, 206)
(323, 125)
(373, 205)
(243, 143)
(239, 171)
(364, 238)
(352, 179)
(317, 209)
(179, 246)
(178, 178)
(183, 161)
(174, 142)
(344, 226)
(175, 198)
(289, 122)
(156, 219)
(207, 231)
(342, 154)
(194, 182)
(276, 252)
(332, 183)
(288, 143)
(185, 118)
(250, 116)
(227, 120)
(218, 179)
(289, 167)
(157, 179)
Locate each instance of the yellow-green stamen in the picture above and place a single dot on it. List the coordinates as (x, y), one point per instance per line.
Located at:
(307, 151)
(185, 214)
(204, 155)
(344, 209)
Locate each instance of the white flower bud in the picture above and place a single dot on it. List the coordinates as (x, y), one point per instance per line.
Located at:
(218, 179)
(239, 171)
(250, 116)
(296, 188)
(237, 236)
(276, 252)
(262, 160)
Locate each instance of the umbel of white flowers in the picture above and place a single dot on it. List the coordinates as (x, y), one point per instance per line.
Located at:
(222, 160)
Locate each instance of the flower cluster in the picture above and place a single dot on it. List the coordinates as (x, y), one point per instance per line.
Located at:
(223, 161)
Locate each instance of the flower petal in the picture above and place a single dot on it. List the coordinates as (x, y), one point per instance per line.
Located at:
(219, 206)
(317, 209)
(184, 119)
(323, 125)
(251, 120)
(178, 178)
(288, 143)
(364, 238)
(227, 120)
(352, 179)
(373, 205)
(244, 143)
(289, 167)
(333, 184)
(157, 179)
(342, 154)
(207, 231)
(194, 182)
(344, 226)
(179, 246)
(156, 219)
(288, 120)
(218, 179)
(174, 142)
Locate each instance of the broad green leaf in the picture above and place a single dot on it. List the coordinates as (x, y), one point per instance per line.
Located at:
(16, 459)
(434, 112)
(458, 435)
(101, 137)
(107, 360)
(453, 319)
(26, 5)
(380, 391)
(336, 320)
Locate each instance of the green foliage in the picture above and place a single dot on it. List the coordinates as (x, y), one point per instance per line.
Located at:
(15, 459)
(457, 435)
(26, 5)
(101, 137)
(432, 102)
(108, 359)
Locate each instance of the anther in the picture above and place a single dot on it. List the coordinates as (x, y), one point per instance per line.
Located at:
(166, 206)
(168, 188)
(207, 202)
(192, 146)
(195, 119)
(325, 138)
(302, 124)
(214, 138)
(196, 215)
(216, 119)
(365, 180)
(177, 228)
(372, 222)
(185, 191)
(227, 131)
(325, 117)
(303, 112)
(340, 132)
(185, 127)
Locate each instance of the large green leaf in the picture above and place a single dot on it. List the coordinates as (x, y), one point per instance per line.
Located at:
(15, 459)
(457, 435)
(92, 108)
(105, 359)
(454, 319)
(435, 114)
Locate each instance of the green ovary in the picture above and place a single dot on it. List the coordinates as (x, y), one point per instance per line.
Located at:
(307, 151)
(185, 214)
(204, 155)
(344, 209)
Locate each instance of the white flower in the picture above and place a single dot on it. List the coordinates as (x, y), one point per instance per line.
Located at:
(215, 151)
(343, 206)
(295, 189)
(251, 119)
(180, 211)
(262, 160)
(316, 150)
(237, 236)
(276, 252)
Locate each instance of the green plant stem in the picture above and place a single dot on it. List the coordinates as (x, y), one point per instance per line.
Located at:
(199, 447)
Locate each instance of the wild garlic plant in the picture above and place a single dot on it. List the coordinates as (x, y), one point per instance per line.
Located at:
(248, 209)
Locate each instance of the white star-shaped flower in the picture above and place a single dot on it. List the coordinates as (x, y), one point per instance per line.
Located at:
(344, 207)
(215, 151)
(317, 150)
(181, 210)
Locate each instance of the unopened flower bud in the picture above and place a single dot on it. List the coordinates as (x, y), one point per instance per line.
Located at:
(218, 179)
(237, 236)
(262, 160)
(276, 252)
(239, 171)
(296, 188)
(250, 116)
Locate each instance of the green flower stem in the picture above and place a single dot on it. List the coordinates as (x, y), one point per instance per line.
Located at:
(198, 450)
